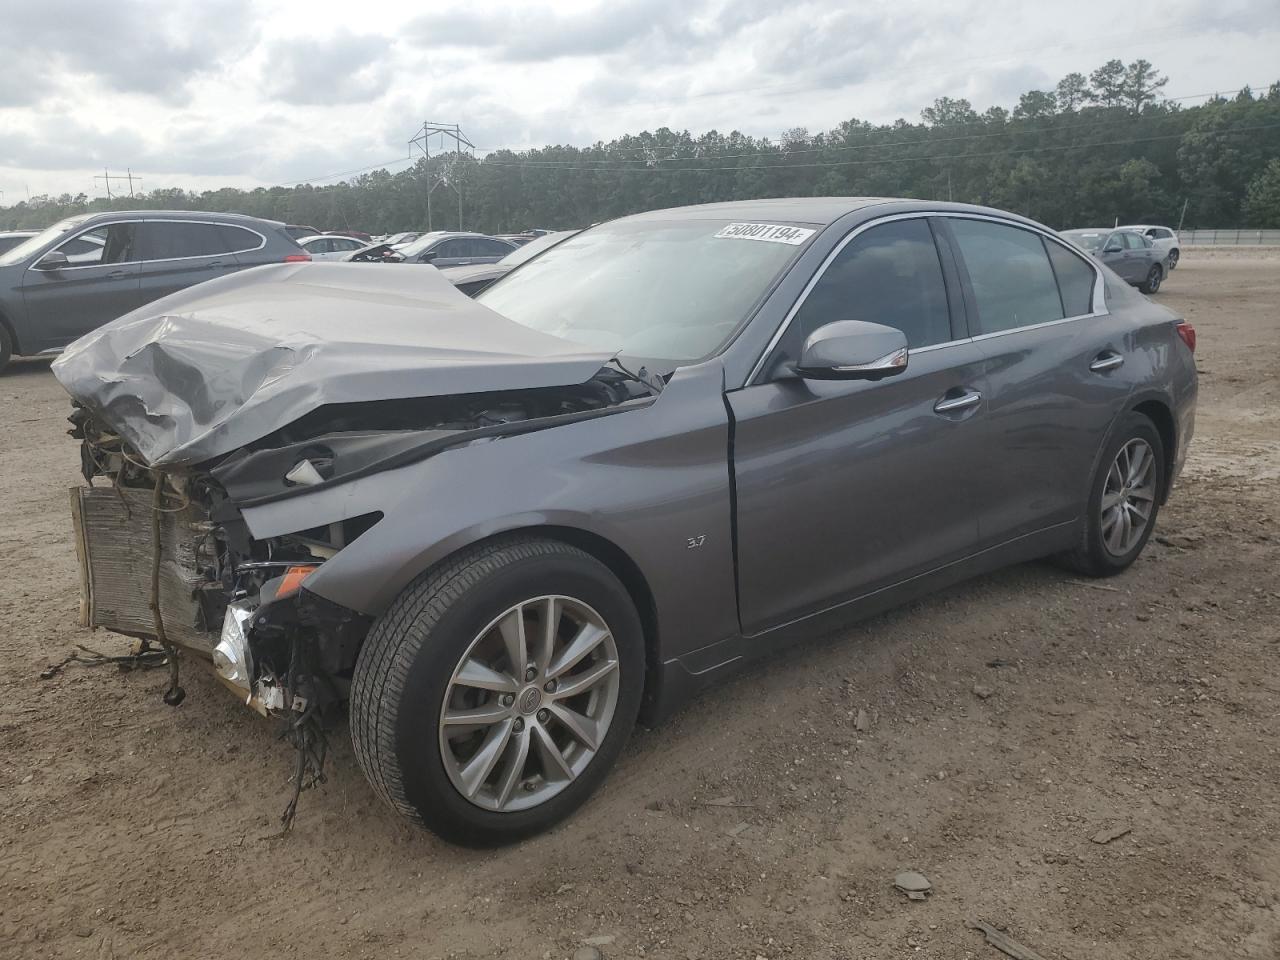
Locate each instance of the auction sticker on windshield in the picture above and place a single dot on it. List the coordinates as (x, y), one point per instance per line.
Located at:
(768, 232)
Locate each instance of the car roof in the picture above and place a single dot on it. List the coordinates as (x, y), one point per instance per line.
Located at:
(820, 211)
(197, 215)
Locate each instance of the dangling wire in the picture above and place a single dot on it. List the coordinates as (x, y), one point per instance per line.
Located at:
(175, 694)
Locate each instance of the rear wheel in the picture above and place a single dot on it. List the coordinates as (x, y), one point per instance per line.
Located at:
(1124, 500)
(1173, 259)
(1154, 277)
(494, 695)
(6, 347)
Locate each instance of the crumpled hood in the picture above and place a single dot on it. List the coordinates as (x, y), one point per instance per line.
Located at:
(211, 368)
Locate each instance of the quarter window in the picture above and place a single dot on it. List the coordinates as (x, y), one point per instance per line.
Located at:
(238, 239)
(890, 274)
(1075, 279)
(1009, 272)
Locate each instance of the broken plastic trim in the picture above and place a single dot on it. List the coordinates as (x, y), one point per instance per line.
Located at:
(436, 444)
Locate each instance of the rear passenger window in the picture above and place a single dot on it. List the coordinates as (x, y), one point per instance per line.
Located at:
(164, 240)
(1009, 271)
(890, 274)
(1075, 279)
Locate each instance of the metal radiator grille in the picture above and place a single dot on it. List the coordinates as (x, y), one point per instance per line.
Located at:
(114, 540)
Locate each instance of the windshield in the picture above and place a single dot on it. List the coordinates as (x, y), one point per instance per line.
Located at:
(534, 247)
(31, 245)
(1089, 240)
(417, 246)
(671, 291)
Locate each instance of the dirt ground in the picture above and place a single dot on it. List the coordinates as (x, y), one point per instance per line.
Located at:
(1005, 722)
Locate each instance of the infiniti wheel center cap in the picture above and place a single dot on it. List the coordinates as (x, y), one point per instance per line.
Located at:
(530, 700)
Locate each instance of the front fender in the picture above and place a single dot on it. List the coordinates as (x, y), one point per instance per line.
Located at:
(651, 481)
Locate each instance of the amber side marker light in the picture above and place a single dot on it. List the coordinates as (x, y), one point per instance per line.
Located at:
(292, 581)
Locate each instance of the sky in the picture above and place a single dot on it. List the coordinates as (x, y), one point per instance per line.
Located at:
(261, 92)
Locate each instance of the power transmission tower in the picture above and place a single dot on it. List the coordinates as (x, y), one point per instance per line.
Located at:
(446, 172)
(107, 176)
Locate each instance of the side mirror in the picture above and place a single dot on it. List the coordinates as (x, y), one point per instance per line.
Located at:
(53, 260)
(428, 256)
(1113, 247)
(853, 350)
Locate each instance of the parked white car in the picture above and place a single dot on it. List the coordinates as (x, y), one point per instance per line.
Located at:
(329, 247)
(1162, 238)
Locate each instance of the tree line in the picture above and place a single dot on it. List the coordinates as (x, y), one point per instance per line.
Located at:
(1094, 149)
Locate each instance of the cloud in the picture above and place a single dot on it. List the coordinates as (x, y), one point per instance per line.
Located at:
(343, 68)
(132, 46)
(535, 34)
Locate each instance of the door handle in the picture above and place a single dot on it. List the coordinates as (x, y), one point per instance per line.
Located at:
(954, 404)
(214, 265)
(1106, 361)
(117, 274)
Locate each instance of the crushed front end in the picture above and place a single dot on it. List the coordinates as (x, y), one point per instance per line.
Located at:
(165, 557)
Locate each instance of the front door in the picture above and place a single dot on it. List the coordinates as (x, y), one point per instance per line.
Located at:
(843, 487)
(1117, 255)
(98, 284)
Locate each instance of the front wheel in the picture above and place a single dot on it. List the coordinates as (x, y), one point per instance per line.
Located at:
(1154, 277)
(1124, 499)
(491, 699)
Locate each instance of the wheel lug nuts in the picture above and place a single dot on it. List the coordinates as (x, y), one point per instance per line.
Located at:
(544, 715)
(549, 686)
(531, 673)
(529, 786)
(508, 699)
(518, 725)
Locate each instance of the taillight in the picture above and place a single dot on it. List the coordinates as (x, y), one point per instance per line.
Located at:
(1188, 334)
(298, 258)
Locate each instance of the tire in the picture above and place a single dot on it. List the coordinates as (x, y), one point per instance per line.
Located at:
(1173, 258)
(1154, 278)
(1101, 553)
(409, 677)
(6, 347)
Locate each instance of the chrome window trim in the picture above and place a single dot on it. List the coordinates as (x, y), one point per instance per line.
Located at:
(1098, 300)
(126, 263)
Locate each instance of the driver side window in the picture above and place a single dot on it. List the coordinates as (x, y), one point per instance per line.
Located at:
(110, 243)
(890, 274)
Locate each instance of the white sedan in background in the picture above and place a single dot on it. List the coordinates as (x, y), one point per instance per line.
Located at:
(329, 247)
(1162, 238)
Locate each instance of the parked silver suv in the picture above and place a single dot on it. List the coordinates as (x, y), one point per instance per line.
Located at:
(85, 271)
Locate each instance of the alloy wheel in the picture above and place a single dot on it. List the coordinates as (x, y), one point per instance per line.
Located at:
(1153, 279)
(529, 703)
(1128, 497)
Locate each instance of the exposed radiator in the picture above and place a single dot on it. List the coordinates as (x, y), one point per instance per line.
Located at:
(114, 544)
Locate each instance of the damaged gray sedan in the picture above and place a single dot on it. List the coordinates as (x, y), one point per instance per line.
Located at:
(503, 530)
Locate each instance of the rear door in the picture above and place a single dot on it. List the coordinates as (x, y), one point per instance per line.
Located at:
(177, 254)
(487, 250)
(99, 283)
(843, 487)
(1053, 381)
